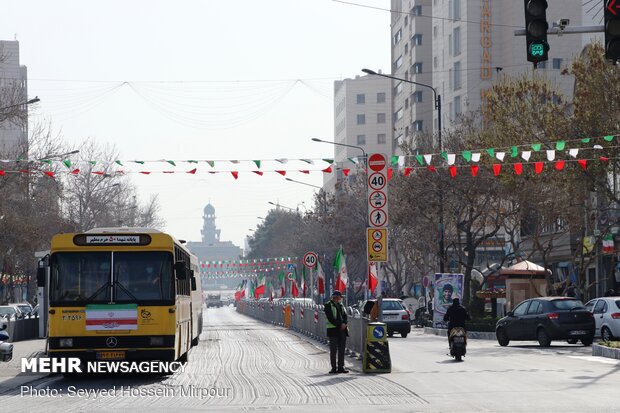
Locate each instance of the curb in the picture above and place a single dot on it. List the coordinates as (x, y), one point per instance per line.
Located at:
(603, 351)
(477, 335)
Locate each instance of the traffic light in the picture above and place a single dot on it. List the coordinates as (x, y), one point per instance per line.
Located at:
(536, 30)
(612, 30)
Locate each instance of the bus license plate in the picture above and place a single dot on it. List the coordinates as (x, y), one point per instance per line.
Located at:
(110, 355)
(459, 339)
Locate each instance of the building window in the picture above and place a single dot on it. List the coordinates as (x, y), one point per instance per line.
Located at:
(435, 62)
(457, 106)
(542, 65)
(435, 31)
(361, 99)
(457, 75)
(361, 139)
(416, 11)
(398, 115)
(456, 9)
(457, 41)
(381, 138)
(361, 119)
(450, 78)
(398, 36)
(398, 63)
(417, 67)
(557, 63)
(416, 40)
(406, 48)
(380, 117)
(450, 45)
(406, 103)
(406, 21)
(398, 89)
(416, 97)
(381, 97)
(417, 126)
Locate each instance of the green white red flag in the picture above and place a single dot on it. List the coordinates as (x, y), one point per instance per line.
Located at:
(320, 278)
(373, 279)
(340, 265)
(260, 289)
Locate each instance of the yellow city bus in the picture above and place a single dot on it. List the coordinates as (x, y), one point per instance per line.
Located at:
(123, 294)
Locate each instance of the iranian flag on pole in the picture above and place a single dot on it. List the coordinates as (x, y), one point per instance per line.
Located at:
(239, 291)
(109, 317)
(320, 279)
(373, 280)
(294, 289)
(340, 266)
(260, 290)
(282, 287)
(608, 244)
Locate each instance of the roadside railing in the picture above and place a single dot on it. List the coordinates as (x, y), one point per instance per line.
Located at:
(24, 328)
(307, 319)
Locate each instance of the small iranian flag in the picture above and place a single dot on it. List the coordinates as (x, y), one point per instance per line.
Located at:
(320, 278)
(608, 244)
(373, 280)
(340, 266)
(260, 290)
(110, 317)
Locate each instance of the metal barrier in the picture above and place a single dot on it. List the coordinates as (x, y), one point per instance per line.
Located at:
(309, 320)
(25, 328)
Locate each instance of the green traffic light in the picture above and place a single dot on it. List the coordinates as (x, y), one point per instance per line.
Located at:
(537, 49)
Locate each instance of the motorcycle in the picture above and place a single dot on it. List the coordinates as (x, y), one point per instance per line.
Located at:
(458, 343)
(6, 349)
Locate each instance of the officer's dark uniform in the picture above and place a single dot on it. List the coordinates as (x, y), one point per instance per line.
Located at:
(336, 316)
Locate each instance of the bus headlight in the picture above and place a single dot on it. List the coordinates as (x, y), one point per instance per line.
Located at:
(66, 342)
(156, 341)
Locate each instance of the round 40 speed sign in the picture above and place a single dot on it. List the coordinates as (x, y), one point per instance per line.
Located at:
(310, 259)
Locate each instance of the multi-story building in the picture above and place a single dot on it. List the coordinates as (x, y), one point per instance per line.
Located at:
(363, 118)
(13, 91)
(460, 47)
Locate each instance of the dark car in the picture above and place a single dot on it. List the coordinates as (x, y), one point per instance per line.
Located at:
(395, 316)
(546, 319)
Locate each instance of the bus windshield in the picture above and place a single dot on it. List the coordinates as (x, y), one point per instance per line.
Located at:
(86, 277)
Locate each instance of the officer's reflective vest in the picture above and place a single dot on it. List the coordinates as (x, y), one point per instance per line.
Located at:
(327, 322)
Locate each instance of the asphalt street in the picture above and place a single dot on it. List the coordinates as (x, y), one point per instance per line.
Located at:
(245, 365)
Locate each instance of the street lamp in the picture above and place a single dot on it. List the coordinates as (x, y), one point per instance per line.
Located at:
(61, 155)
(303, 183)
(28, 102)
(343, 144)
(438, 107)
(280, 206)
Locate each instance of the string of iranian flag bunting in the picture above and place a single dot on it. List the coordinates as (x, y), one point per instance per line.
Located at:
(244, 268)
(538, 157)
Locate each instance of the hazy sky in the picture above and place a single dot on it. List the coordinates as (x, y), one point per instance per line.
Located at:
(200, 79)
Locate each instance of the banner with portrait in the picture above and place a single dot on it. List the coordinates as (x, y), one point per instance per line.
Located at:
(446, 287)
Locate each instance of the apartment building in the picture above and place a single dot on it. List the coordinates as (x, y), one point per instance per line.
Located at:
(13, 89)
(362, 118)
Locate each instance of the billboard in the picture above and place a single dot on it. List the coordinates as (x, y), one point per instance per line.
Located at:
(446, 287)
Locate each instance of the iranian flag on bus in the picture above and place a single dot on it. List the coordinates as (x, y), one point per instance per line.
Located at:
(110, 317)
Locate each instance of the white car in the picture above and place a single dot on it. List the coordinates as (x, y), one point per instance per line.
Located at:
(606, 311)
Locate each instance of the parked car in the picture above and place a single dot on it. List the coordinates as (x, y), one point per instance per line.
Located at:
(395, 316)
(9, 312)
(546, 319)
(25, 308)
(214, 300)
(606, 311)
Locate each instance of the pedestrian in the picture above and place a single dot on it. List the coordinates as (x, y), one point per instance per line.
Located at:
(337, 331)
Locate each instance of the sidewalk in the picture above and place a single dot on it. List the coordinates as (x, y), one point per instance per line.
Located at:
(10, 373)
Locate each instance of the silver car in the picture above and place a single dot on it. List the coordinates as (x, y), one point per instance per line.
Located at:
(606, 311)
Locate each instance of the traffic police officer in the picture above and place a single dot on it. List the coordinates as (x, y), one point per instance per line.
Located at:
(337, 331)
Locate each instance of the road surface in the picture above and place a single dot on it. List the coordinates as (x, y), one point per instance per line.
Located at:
(246, 365)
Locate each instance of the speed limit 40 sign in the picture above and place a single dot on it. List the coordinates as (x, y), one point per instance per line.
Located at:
(310, 259)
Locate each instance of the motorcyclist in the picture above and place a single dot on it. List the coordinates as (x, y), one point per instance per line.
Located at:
(455, 316)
